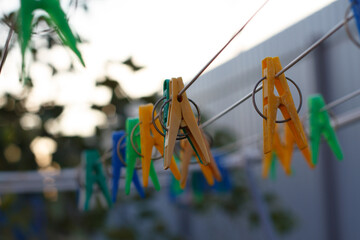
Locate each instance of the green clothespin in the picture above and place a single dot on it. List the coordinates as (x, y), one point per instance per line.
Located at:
(131, 156)
(94, 174)
(56, 18)
(320, 125)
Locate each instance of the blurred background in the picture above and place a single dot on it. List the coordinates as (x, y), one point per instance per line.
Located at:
(129, 48)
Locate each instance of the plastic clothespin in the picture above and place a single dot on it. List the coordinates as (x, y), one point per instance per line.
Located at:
(117, 164)
(180, 113)
(56, 18)
(209, 171)
(285, 102)
(199, 186)
(282, 149)
(356, 10)
(225, 185)
(132, 156)
(273, 166)
(320, 125)
(94, 174)
(166, 94)
(174, 188)
(149, 138)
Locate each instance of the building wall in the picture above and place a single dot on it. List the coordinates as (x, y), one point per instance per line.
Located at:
(306, 193)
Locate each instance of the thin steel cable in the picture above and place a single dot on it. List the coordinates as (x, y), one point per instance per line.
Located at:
(341, 100)
(341, 121)
(287, 67)
(225, 111)
(217, 54)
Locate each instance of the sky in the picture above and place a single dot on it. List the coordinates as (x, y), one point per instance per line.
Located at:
(168, 38)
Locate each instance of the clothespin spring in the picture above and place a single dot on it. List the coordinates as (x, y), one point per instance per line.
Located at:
(261, 114)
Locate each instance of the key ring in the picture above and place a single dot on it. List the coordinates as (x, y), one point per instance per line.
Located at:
(119, 147)
(103, 157)
(153, 118)
(348, 32)
(262, 115)
(133, 144)
(161, 120)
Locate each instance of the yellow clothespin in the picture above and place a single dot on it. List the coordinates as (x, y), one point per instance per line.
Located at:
(283, 150)
(149, 138)
(180, 113)
(210, 171)
(285, 102)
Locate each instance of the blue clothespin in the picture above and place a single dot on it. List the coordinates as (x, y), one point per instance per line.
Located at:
(117, 164)
(225, 185)
(199, 186)
(94, 174)
(174, 188)
(356, 9)
(38, 222)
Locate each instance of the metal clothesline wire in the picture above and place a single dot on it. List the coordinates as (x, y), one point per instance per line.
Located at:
(340, 121)
(287, 67)
(218, 53)
(68, 179)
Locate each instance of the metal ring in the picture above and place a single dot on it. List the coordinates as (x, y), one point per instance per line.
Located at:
(133, 144)
(180, 136)
(348, 32)
(262, 115)
(106, 155)
(118, 147)
(153, 118)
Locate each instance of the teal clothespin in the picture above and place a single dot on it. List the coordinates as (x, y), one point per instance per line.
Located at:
(356, 9)
(132, 155)
(56, 18)
(320, 125)
(273, 166)
(94, 174)
(166, 94)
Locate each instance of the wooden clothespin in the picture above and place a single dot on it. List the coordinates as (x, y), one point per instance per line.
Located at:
(94, 174)
(149, 138)
(119, 151)
(209, 171)
(320, 125)
(282, 149)
(132, 156)
(285, 102)
(180, 113)
(56, 18)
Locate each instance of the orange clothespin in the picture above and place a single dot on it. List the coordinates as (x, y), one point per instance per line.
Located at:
(210, 171)
(180, 113)
(285, 102)
(149, 138)
(283, 150)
